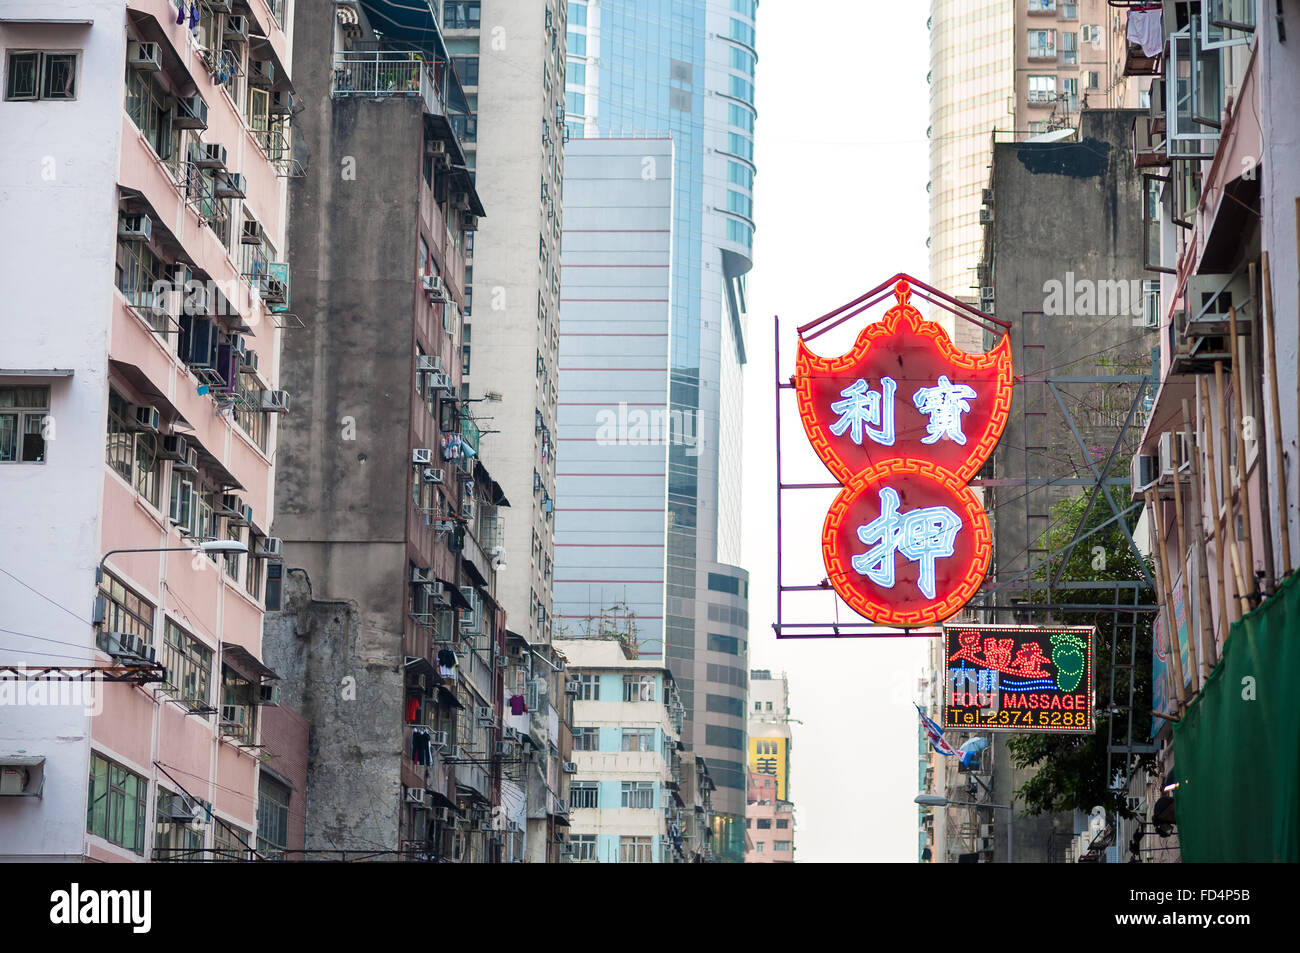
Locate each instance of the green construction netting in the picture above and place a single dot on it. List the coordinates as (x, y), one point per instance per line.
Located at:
(1237, 757)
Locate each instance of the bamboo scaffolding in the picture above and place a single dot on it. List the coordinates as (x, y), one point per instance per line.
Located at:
(1279, 460)
(1263, 504)
(1207, 655)
(1181, 551)
(1229, 513)
(1222, 560)
(1243, 490)
(1167, 597)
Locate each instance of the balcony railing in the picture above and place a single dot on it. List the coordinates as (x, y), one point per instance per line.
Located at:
(388, 73)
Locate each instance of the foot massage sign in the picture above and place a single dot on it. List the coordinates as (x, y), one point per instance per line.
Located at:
(903, 421)
(1019, 678)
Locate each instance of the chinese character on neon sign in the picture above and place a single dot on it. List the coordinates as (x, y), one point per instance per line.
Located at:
(903, 421)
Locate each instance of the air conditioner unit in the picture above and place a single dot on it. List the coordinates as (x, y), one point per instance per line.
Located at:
(501, 749)
(281, 103)
(467, 509)
(237, 29)
(125, 645)
(437, 594)
(268, 694)
(425, 364)
(275, 401)
(986, 196)
(438, 739)
(210, 155)
(242, 517)
(421, 456)
(415, 796)
(443, 814)
(134, 228)
(1145, 472)
(482, 713)
(986, 830)
(146, 57)
(460, 201)
(229, 185)
(190, 462)
(174, 447)
(572, 686)
(248, 362)
(432, 284)
(1156, 107)
(468, 221)
(569, 767)
(261, 73)
(510, 734)
(271, 546)
(457, 753)
(251, 233)
(434, 475)
(143, 417)
(512, 827)
(440, 381)
(443, 526)
(420, 574)
(987, 305)
(986, 292)
(191, 113)
(434, 147)
(230, 506)
(1169, 468)
(986, 216)
(502, 661)
(273, 290)
(1150, 304)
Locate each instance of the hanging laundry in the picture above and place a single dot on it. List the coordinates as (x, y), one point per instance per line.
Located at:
(446, 663)
(412, 709)
(180, 13)
(1145, 29)
(195, 16)
(517, 705)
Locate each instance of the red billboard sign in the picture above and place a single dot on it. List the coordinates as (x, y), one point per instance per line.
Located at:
(903, 421)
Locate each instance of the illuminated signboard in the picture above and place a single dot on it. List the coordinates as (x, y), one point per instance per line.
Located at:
(1019, 678)
(769, 756)
(903, 421)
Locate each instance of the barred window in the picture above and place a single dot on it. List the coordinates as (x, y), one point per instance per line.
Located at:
(638, 688)
(638, 794)
(272, 816)
(584, 794)
(126, 611)
(635, 850)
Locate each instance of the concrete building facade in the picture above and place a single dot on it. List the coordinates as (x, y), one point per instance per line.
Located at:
(769, 823)
(769, 808)
(143, 179)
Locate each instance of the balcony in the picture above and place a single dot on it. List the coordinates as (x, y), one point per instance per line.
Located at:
(1144, 43)
(390, 73)
(1042, 7)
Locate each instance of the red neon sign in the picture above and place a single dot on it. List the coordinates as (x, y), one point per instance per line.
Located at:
(904, 420)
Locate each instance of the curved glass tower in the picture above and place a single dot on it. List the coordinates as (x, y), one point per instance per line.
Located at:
(684, 69)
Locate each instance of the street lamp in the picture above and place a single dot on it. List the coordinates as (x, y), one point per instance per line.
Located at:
(938, 800)
(229, 547)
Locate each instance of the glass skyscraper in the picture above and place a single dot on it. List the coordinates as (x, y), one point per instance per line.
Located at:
(685, 69)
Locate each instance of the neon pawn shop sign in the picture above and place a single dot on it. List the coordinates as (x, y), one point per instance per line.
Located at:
(903, 421)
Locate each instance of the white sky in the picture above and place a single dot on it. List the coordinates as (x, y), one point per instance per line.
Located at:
(840, 205)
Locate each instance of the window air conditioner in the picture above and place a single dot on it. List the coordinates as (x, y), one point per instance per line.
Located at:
(432, 284)
(190, 463)
(191, 113)
(434, 475)
(438, 739)
(421, 457)
(281, 103)
(268, 694)
(440, 381)
(275, 401)
(174, 447)
(467, 509)
(261, 73)
(271, 546)
(468, 221)
(438, 594)
(571, 687)
(434, 147)
(237, 29)
(986, 216)
(986, 292)
(482, 713)
(502, 749)
(145, 57)
(415, 796)
(251, 233)
(211, 155)
(1145, 472)
(134, 228)
(419, 574)
(570, 767)
(230, 185)
(144, 418)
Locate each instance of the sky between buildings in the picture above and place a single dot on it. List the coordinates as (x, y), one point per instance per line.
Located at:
(840, 205)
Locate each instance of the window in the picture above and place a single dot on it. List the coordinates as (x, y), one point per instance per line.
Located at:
(466, 69)
(576, 74)
(588, 688)
(180, 506)
(586, 739)
(1042, 89)
(575, 104)
(35, 74)
(174, 837)
(764, 824)
(133, 455)
(781, 845)
(1042, 44)
(738, 174)
(23, 412)
(577, 14)
(635, 850)
(238, 715)
(740, 233)
(1070, 48)
(1069, 10)
(638, 739)
(584, 794)
(758, 706)
(742, 32)
(1070, 93)
(577, 44)
(461, 16)
(189, 666)
(725, 706)
(272, 816)
(639, 795)
(116, 805)
(1042, 6)
(126, 611)
(230, 843)
(742, 89)
(769, 706)
(248, 409)
(745, 7)
(782, 825)
(741, 60)
(740, 145)
(274, 575)
(723, 736)
(724, 643)
(758, 847)
(582, 846)
(740, 204)
(1094, 79)
(638, 688)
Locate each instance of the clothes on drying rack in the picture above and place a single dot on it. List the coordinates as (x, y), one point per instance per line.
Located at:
(517, 705)
(421, 746)
(446, 663)
(412, 709)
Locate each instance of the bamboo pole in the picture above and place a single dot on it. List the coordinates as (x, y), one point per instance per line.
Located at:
(1207, 654)
(1243, 493)
(1222, 561)
(1171, 623)
(1229, 513)
(1279, 460)
(1182, 551)
(1261, 440)
(1297, 301)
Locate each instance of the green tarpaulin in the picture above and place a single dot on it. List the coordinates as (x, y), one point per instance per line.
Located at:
(1237, 748)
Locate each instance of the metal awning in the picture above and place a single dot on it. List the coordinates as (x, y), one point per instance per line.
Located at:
(448, 697)
(453, 592)
(419, 665)
(462, 180)
(441, 800)
(407, 21)
(498, 494)
(153, 31)
(242, 660)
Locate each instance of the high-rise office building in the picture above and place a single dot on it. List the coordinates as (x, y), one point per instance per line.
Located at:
(686, 70)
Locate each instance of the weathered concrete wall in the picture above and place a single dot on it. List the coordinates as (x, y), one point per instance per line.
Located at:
(346, 680)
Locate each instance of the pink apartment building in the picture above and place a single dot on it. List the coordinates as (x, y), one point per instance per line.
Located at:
(769, 823)
(143, 187)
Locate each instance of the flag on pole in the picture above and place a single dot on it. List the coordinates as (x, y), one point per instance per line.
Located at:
(935, 734)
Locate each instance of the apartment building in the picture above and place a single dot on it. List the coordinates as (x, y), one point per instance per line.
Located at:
(144, 182)
(1216, 468)
(509, 56)
(769, 811)
(769, 823)
(683, 70)
(393, 645)
(625, 795)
